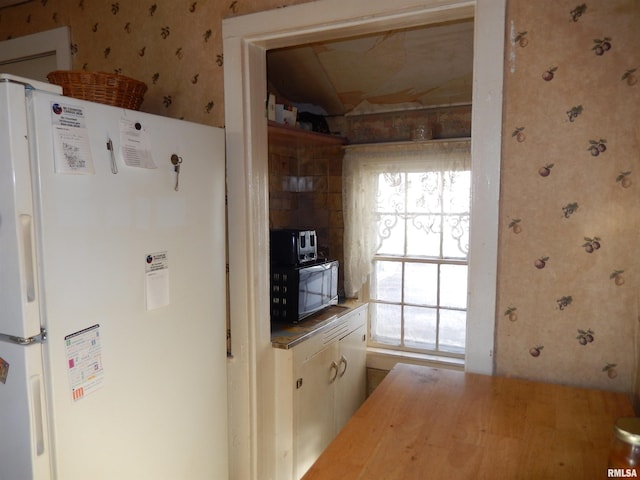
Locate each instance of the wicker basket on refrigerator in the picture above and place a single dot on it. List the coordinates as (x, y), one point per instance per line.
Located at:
(101, 87)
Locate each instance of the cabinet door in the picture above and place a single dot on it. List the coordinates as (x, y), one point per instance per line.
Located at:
(352, 376)
(314, 400)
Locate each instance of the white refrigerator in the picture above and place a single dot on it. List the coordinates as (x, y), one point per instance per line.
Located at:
(112, 292)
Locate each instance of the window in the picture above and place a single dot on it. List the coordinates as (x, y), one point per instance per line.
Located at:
(411, 239)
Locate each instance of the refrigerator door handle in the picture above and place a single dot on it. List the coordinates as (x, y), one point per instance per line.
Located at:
(38, 419)
(26, 235)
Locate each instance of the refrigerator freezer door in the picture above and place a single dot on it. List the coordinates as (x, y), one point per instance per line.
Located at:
(133, 292)
(24, 446)
(18, 278)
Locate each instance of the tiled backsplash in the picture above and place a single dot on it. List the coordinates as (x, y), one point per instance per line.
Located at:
(305, 190)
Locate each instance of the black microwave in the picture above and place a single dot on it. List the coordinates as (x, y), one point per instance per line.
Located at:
(297, 292)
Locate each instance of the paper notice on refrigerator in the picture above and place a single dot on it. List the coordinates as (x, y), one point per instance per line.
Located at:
(135, 145)
(71, 146)
(84, 362)
(157, 280)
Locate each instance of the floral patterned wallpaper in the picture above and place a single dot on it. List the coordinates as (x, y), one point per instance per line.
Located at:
(568, 273)
(174, 46)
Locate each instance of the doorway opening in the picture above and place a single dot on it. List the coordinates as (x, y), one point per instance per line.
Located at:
(246, 41)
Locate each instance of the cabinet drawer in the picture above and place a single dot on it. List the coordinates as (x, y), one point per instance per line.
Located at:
(337, 330)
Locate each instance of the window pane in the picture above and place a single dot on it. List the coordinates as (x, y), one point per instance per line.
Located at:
(456, 194)
(423, 195)
(391, 208)
(391, 235)
(452, 330)
(453, 286)
(391, 193)
(455, 238)
(385, 323)
(421, 283)
(423, 236)
(420, 327)
(386, 282)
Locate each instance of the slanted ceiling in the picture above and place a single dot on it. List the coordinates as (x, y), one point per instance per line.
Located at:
(395, 70)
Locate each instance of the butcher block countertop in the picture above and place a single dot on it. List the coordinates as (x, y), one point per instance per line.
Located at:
(287, 336)
(425, 423)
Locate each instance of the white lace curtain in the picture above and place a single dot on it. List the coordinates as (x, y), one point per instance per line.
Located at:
(362, 166)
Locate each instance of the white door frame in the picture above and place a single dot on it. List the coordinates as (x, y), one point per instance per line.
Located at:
(51, 42)
(245, 41)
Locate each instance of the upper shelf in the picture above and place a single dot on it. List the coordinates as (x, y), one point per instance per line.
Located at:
(285, 132)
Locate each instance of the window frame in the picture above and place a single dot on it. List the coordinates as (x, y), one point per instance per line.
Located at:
(407, 258)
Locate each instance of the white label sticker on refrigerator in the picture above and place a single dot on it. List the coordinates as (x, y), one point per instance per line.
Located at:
(157, 280)
(84, 362)
(71, 147)
(135, 145)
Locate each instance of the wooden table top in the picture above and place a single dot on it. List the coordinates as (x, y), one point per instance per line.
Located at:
(425, 423)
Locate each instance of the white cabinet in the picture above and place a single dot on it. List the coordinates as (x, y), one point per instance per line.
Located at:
(314, 404)
(352, 384)
(323, 382)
